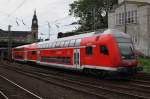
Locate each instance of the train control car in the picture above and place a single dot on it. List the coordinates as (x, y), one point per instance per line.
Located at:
(110, 51)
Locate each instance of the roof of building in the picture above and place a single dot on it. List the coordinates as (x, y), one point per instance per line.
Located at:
(129, 2)
(14, 33)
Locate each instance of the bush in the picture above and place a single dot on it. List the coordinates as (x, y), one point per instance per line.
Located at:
(145, 62)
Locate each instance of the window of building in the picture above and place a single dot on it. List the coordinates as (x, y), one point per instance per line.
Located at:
(131, 17)
(89, 50)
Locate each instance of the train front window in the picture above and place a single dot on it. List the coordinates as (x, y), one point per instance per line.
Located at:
(126, 51)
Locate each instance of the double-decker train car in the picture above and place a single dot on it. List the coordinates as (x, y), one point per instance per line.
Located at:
(111, 51)
(25, 53)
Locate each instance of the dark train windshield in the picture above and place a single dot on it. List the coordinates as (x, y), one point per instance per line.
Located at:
(126, 51)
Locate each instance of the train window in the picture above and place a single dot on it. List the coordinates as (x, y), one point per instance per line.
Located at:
(104, 50)
(72, 42)
(89, 50)
(78, 42)
(33, 52)
(54, 45)
(44, 45)
(57, 45)
(62, 44)
(49, 45)
(40, 45)
(66, 43)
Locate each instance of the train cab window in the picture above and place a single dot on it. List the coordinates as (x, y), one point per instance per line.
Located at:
(89, 50)
(77, 43)
(71, 44)
(104, 50)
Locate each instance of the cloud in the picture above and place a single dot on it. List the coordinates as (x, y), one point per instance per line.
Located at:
(52, 11)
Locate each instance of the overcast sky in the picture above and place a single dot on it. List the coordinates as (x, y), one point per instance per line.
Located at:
(19, 13)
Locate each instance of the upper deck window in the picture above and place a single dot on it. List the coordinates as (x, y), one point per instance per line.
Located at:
(57, 45)
(77, 43)
(66, 44)
(62, 44)
(72, 42)
(53, 44)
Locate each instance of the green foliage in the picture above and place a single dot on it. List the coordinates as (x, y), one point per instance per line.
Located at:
(145, 62)
(92, 13)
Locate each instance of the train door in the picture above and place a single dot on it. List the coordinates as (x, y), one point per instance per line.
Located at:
(77, 58)
(38, 55)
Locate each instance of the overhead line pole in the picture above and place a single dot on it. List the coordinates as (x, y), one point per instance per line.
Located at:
(49, 30)
(9, 43)
(125, 17)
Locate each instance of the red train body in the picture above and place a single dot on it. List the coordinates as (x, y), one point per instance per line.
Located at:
(111, 51)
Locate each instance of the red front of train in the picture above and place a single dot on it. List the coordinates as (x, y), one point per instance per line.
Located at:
(111, 51)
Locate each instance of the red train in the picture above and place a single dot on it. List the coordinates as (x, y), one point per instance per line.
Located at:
(111, 51)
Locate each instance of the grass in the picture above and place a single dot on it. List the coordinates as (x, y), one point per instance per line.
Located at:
(145, 62)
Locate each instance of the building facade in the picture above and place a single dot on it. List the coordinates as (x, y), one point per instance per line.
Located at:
(24, 37)
(18, 37)
(133, 16)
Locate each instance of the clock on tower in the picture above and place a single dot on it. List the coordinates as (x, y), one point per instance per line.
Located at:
(34, 28)
(34, 21)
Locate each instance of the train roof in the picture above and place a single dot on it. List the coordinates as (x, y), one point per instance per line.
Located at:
(69, 38)
(33, 45)
(23, 46)
(114, 32)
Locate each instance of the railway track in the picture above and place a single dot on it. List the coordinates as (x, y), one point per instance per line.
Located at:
(11, 90)
(105, 90)
(2, 95)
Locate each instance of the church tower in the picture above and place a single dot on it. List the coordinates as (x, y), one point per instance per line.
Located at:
(34, 28)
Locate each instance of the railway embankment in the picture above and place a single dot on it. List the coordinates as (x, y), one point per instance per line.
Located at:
(51, 83)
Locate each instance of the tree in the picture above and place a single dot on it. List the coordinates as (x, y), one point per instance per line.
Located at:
(93, 14)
